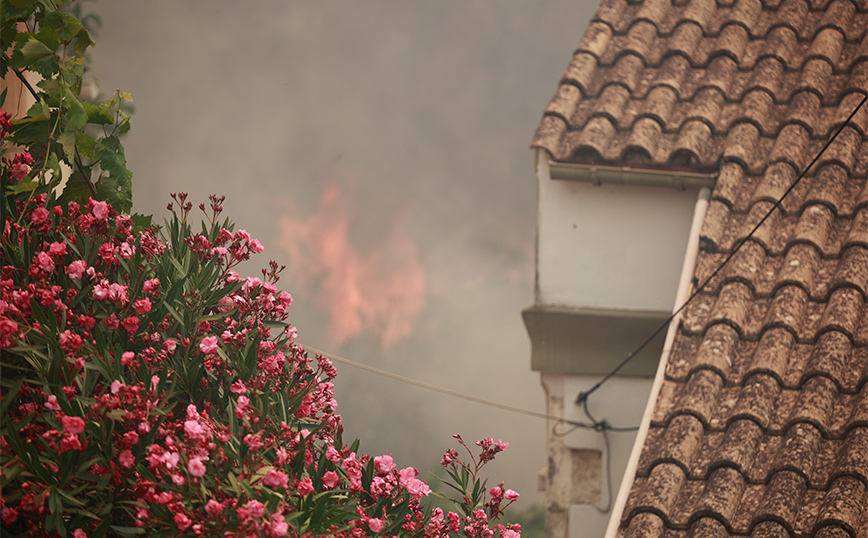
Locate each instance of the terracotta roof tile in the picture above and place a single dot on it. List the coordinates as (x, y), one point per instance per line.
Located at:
(761, 424)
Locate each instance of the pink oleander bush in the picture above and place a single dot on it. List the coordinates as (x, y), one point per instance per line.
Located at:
(148, 389)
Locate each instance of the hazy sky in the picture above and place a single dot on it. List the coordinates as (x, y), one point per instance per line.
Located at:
(379, 149)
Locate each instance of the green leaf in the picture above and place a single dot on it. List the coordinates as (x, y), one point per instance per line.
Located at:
(39, 111)
(28, 51)
(76, 189)
(75, 111)
(99, 114)
(86, 145)
(67, 142)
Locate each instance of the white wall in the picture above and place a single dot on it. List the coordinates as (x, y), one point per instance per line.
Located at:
(610, 246)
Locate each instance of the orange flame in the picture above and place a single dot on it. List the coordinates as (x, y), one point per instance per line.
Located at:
(379, 293)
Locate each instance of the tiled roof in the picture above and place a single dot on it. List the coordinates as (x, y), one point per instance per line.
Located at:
(761, 425)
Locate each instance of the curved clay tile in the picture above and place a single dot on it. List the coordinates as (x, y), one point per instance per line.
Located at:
(707, 527)
(781, 42)
(844, 505)
(671, 73)
(852, 457)
(728, 187)
(640, 39)
(776, 179)
(782, 499)
(828, 187)
(772, 354)
(596, 135)
(739, 446)
(684, 40)
(816, 74)
(837, 15)
(722, 494)
(769, 529)
(731, 42)
(660, 490)
(741, 144)
(549, 134)
(643, 141)
(757, 107)
(564, 102)
(800, 268)
(612, 103)
(792, 13)
(842, 312)
(690, 146)
(827, 44)
(713, 229)
(706, 106)
(813, 227)
(658, 106)
(681, 440)
(581, 71)
(745, 13)
(767, 74)
(804, 109)
(801, 442)
(701, 12)
(596, 39)
(757, 400)
(766, 233)
(787, 309)
(645, 525)
(829, 358)
(627, 71)
(852, 270)
(611, 11)
(698, 396)
(791, 146)
(654, 11)
(816, 403)
(858, 234)
(848, 104)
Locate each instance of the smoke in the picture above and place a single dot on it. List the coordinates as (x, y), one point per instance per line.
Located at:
(377, 293)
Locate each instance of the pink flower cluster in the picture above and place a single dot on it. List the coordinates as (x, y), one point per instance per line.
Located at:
(193, 414)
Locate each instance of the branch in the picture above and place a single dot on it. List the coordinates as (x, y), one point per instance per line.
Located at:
(21, 77)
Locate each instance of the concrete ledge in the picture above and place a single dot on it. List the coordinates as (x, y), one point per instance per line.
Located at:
(590, 341)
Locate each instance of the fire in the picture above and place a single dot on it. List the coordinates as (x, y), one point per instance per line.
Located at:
(379, 293)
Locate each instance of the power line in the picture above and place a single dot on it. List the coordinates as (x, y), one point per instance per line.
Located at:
(583, 396)
(448, 392)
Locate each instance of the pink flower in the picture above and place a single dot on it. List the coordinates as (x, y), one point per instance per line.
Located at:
(39, 215)
(182, 522)
(116, 386)
(375, 524)
(152, 285)
(57, 248)
(101, 291)
(333, 455)
(509, 533)
(45, 262)
(131, 324)
(276, 479)
(78, 533)
(511, 495)
(100, 210)
(213, 508)
(127, 358)
(238, 387)
(142, 306)
(405, 474)
(305, 487)
(208, 344)
(384, 464)
(196, 467)
(73, 425)
(279, 526)
(417, 488)
(51, 403)
(76, 269)
(330, 479)
(8, 328)
(126, 459)
(253, 442)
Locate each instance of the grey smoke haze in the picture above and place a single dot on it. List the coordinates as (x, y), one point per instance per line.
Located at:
(419, 115)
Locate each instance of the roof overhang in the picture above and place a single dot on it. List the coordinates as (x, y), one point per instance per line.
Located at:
(600, 174)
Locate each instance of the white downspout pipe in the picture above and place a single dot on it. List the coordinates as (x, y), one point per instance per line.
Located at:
(681, 295)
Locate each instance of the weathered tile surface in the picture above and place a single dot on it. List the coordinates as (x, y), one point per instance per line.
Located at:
(761, 427)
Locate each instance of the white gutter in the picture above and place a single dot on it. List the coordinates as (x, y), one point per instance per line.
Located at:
(599, 174)
(681, 295)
